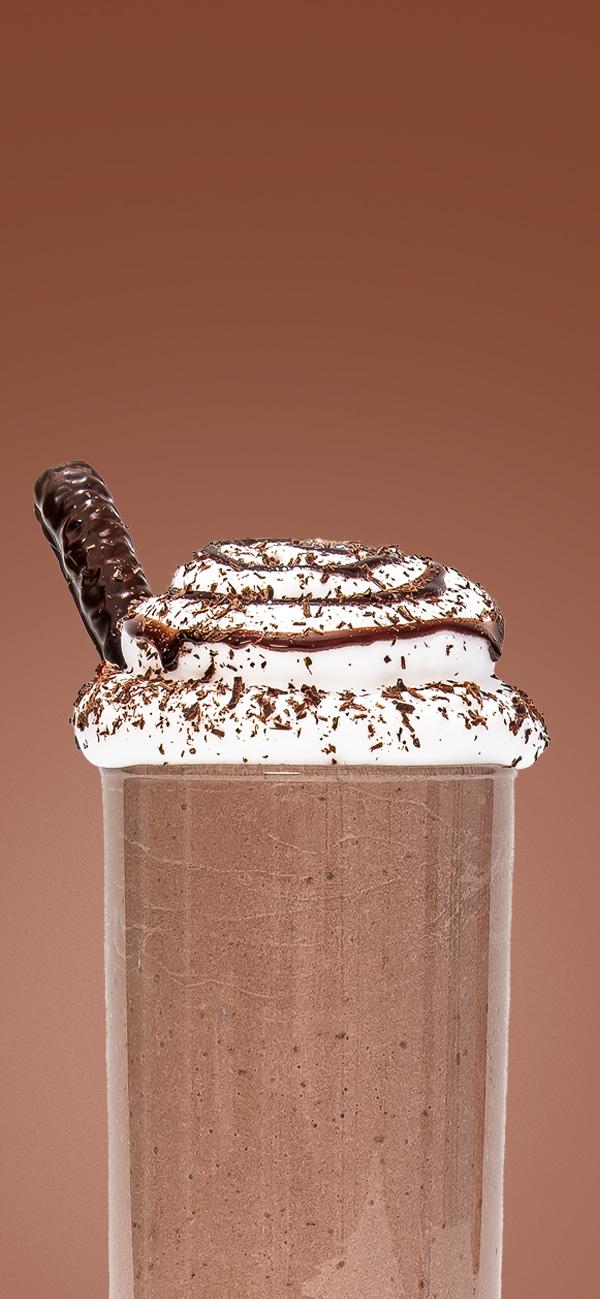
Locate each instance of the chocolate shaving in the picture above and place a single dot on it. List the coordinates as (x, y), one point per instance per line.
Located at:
(238, 687)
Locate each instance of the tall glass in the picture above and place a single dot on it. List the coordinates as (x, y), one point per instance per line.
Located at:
(307, 994)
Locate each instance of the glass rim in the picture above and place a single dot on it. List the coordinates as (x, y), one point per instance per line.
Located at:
(341, 773)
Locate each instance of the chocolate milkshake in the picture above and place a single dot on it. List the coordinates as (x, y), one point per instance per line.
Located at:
(308, 769)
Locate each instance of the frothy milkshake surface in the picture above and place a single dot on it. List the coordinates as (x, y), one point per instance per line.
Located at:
(312, 652)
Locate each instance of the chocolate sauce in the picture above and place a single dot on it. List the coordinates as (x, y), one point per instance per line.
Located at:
(169, 641)
(363, 562)
(372, 556)
(429, 582)
(78, 516)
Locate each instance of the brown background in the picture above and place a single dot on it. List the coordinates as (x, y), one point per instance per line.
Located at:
(309, 268)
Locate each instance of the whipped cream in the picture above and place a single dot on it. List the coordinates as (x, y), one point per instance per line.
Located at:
(309, 652)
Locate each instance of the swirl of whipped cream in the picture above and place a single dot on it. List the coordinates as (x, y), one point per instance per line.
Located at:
(308, 652)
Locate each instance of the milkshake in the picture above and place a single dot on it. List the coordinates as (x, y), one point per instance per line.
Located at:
(308, 768)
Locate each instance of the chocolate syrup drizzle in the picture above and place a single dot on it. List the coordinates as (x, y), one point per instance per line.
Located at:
(169, 641)
(78, 516)
(366, 558)
(430, 582)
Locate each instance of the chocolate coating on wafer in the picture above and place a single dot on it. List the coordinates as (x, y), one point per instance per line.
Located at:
(78, 516)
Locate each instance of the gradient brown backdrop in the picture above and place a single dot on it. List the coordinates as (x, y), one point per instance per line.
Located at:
(312, 268)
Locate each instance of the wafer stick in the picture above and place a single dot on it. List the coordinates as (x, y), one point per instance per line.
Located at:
(79, 518)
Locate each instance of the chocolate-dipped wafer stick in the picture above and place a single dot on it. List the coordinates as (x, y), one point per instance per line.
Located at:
(93, 547)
